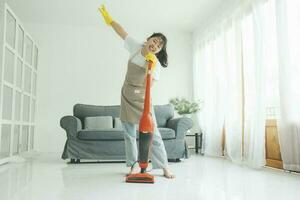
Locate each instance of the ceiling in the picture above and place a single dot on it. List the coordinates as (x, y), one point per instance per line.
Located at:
(185, 15)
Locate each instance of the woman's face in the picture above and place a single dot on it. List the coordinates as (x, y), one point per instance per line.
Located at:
(154, 44)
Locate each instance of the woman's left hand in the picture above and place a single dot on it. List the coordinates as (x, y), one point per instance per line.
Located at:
(150, 57)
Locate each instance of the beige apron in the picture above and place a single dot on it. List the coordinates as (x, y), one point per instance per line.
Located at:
(133, 92)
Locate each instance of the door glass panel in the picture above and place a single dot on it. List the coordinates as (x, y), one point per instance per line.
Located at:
(32, 110)
(16, 139)
(36, 54)
(34, 84)
(5, 140)
(29, 49)
(7, 103)
(27, 79)
(20, 41)
(18, 106)
(25, 133)
(31, 137)
(10, 29)
(26, 102)
(19, 74)
(9, 66)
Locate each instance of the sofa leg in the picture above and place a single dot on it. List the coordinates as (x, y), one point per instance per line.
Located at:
(77, 160)
(174, 160)
(72, 161)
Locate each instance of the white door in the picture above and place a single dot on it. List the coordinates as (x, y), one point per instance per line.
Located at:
(18, 88)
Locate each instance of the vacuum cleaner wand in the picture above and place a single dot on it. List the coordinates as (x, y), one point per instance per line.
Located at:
(146, 129)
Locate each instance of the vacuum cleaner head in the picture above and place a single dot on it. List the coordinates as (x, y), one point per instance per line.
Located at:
(140, 178)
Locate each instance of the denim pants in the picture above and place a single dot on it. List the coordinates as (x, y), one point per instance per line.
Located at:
(158, 155)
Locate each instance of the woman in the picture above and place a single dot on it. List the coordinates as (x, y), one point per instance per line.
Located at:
(133, 91)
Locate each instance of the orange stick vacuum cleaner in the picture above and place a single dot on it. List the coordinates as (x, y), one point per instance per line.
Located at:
(146, 129)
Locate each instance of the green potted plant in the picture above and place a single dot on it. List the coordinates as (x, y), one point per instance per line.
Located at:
(185, 107)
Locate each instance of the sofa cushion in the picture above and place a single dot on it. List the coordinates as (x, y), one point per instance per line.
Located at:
(98, 122)
(166, 133)
(118, 123)
(114, 134)
(103, 134)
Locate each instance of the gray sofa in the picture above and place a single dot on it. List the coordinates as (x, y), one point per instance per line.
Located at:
(107, 144)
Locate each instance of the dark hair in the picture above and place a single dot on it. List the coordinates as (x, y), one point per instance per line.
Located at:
(162, 55)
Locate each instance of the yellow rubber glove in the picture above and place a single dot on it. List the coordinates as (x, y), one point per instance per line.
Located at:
(151, 57)
(106, 16)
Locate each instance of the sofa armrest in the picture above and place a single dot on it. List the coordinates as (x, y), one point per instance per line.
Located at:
(71, 124)
(180, 126)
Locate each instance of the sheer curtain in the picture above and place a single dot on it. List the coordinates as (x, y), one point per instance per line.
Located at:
(208, 87)
(229, 76)
(254, 68)
(288, 27)
(242, 65)
(234, 88)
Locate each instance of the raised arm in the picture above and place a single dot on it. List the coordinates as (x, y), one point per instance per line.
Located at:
(110, 22)
(119, 30)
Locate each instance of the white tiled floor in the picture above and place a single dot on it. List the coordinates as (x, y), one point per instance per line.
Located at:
(46, 176)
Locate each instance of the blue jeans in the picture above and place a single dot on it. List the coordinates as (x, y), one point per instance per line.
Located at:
(158, 153)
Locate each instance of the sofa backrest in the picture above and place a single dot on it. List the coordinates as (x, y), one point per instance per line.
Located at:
(162, 112)
(82, 111)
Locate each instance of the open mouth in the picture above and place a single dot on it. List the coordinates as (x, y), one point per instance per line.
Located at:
(151, 48)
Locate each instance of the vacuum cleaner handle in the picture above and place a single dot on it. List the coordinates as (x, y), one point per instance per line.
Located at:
(146, 127)
(146, 121)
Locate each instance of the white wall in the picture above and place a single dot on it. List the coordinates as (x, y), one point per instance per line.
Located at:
(88, 65)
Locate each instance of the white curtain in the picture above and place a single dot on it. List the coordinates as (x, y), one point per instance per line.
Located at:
(208, 88)
(234, 89)
(253, 53)
(241, 65)
(229, 77)
(288, 27)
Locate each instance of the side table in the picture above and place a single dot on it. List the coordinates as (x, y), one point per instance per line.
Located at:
(198, 141)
